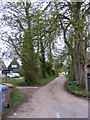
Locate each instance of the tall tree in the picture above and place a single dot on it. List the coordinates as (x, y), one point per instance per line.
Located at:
(20, 19)
(45, 35)
(72, 19)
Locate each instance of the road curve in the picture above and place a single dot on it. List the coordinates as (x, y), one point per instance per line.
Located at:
(52, 101)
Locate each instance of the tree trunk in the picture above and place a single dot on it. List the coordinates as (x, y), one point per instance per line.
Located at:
(43, 66)
(50, 65)
(29, 68)
(75, 69)
(30, 75)
(78, 66)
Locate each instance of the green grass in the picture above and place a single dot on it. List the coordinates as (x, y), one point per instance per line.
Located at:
(72, 86)
(47, 80)
(74, 89)
(15, 98)
(15, 81)
(21, 81)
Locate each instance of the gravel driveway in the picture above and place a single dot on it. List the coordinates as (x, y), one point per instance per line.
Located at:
(52, 101)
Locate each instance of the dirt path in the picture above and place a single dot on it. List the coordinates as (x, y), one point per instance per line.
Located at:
(51, 101)
(27, 94)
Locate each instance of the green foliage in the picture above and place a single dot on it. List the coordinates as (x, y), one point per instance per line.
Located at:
(31, 38)
(48, 79)
(39, 71)
(20, 71)
(34, 36)
(56, 72)
(69, 76)
(63, 69)
(49, 68)
(16, 98)
(14, 61)
(21, 81)
(73, 88)
(15, 71)
(15, 81)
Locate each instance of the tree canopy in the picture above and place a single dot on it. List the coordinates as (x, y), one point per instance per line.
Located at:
(35, 30)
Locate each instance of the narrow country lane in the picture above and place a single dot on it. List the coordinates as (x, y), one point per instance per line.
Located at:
(52, 101)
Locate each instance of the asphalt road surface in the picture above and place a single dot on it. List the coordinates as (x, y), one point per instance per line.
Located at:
(52, 101)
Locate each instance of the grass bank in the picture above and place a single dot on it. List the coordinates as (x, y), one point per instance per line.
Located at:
(15, 98)
(73, 88)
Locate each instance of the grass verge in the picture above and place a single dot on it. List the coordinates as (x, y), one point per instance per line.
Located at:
(46, 80)
(15, 98)
(15, 81)
(21, 81)
(74, 89)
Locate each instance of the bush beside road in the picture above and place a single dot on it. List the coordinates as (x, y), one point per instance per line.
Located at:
(73, 88)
